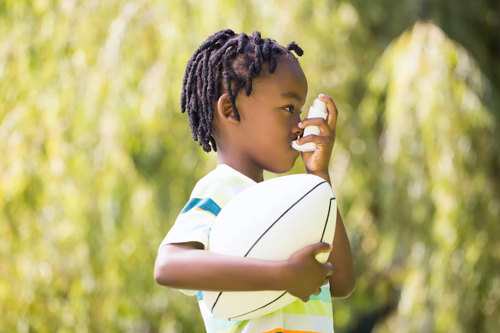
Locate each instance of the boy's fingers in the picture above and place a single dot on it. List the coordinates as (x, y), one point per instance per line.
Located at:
(322, 124)
(321, 247)
(321, 254)
(317, 247)
(323, 140)
(329, 267)
(311, 122)
(333, 112)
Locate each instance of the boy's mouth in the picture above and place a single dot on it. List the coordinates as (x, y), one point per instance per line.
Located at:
(293, 143)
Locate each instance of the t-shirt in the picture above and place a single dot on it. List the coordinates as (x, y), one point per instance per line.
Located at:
(193, 224)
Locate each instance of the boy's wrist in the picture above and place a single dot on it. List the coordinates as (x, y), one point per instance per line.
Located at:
(279, 275)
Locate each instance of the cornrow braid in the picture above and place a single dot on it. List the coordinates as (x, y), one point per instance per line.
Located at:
(225, 62)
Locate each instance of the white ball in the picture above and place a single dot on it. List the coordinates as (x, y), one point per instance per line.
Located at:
(270, 220)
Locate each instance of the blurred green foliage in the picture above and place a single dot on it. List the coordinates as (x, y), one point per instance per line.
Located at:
(96, 160)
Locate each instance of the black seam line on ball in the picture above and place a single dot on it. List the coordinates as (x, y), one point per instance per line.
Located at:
(243, 314)
(327, 219)
(269, 228)
(284, 213)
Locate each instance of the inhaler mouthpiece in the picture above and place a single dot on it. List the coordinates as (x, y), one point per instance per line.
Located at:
(317, 110)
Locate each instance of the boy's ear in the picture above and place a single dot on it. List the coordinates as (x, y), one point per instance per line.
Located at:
(225, 108)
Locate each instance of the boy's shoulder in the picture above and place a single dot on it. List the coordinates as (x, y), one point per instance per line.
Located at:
(221, 184)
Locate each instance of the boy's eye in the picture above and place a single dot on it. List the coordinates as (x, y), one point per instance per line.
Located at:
(290, 108)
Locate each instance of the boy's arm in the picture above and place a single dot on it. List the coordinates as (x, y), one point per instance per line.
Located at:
(188, 266)
(342, 280)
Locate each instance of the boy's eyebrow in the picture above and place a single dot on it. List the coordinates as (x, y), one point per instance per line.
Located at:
(291, 94)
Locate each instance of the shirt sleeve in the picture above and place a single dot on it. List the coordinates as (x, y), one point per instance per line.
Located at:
(194, 222)
(209, 196)
(196, 218)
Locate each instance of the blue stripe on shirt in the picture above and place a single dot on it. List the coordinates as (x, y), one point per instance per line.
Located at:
(205, 204)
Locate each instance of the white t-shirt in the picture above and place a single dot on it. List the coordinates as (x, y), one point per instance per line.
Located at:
(193, 224)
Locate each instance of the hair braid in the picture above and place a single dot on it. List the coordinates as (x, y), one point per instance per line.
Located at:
(225, 62)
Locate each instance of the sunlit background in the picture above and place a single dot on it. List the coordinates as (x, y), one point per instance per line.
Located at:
(96, 159)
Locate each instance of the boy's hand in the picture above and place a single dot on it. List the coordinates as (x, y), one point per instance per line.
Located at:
(305, 274)
(317, 161)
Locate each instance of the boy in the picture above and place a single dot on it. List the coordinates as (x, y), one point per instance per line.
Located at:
(252, 131)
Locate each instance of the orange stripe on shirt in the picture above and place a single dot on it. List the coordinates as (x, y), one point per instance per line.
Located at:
(206, 211)
(280, 330)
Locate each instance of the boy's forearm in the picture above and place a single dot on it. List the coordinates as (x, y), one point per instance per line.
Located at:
(342, 280)
(184, 267)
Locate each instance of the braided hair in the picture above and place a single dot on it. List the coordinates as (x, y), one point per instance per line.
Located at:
(225, 62)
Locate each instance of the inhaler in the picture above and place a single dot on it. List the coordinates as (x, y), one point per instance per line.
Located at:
(317, 110)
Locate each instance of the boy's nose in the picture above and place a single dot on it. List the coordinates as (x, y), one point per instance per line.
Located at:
(296, 131)
(296, 120)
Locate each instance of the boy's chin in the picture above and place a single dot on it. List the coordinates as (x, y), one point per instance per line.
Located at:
(283, 167)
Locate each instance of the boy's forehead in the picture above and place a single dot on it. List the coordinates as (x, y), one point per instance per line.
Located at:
(288, 79)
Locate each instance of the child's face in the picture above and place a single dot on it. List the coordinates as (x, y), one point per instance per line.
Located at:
(270, 116)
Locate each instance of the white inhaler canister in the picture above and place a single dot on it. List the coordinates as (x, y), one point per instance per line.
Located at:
(317, 110)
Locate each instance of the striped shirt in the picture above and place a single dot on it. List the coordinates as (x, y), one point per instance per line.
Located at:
(193, 224)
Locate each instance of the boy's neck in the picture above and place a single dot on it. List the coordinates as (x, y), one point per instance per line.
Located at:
(254, 173)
